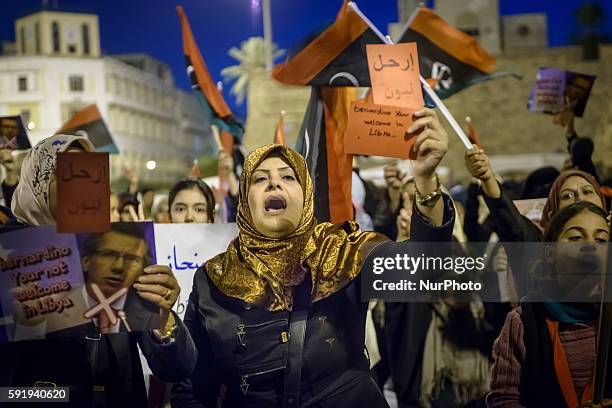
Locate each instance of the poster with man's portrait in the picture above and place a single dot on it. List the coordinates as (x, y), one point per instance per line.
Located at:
(13, 133)
(556, 90)
(112, 262)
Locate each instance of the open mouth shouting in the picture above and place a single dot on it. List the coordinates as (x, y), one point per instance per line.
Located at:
(275, 205)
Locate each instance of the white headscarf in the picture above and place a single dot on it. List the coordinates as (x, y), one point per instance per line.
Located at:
(30, 202)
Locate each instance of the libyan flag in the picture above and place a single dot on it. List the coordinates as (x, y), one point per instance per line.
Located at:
(449, 59)
(89, 123)
(333, 64)
(209, 97)
(337, 57)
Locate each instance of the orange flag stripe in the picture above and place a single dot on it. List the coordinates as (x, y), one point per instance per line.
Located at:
(279, 135)
(190, 49)
(336, 102)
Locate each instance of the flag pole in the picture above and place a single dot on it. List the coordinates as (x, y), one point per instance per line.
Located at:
(428, 89)
(217, 137)
(267, 25)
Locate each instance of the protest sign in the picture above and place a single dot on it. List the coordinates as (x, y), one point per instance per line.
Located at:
(13, 133)
(379, 130)
(83, 192)
(532, 208)
(394, 72)
(38, 269)
(556, 89)
(186, 247)
(112, 262)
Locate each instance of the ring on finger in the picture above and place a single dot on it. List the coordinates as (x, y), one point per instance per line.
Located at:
(168, 293)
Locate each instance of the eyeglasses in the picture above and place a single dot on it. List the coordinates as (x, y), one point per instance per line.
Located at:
(110, 255)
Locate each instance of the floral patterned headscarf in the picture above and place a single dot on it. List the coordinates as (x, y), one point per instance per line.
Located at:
(30, 202)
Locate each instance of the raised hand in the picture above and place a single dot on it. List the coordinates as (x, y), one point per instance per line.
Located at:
(393, 178)
(431, 143)
(477, 164)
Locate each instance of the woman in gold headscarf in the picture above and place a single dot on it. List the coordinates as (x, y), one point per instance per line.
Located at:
(277, 317)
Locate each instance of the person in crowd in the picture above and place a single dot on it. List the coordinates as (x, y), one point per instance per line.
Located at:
(538, 183)
(191, 200)
(277, 317)
(160, 212)
(570, 186)
(229, 183)
(129, 208)
(438, 351)
(147, 197)
(11, 175)
(545, 353)
(114, 208)
(104, 370)
(580, 149)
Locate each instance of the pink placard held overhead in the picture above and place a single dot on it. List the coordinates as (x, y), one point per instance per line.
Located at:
(394, 73)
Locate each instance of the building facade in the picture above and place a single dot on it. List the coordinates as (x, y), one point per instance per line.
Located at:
(56, 69)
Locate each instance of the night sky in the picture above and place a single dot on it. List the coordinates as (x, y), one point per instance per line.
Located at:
(129, 26)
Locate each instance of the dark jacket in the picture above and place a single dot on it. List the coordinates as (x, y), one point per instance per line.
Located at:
(243, 352)
(109, 360)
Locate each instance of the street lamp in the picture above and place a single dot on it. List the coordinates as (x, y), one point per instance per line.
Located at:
(267, 26)
(151, 165)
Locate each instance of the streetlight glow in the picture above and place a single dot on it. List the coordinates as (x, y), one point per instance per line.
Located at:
(151, 165)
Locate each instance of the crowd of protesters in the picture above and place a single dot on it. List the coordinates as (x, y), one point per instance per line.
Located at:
(437, 354)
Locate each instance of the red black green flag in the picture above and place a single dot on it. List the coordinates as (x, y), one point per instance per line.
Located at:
(210, 98)
(449, 59)
(337, 57)
(333, 63)
(88, 123)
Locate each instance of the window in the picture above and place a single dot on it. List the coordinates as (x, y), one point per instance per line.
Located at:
(85, 35)
(23, 40)
(56, 36)
(23, 83)
(75, 83)
(37, 37)
(72, 49)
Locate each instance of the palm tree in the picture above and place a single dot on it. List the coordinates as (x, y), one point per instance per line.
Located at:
(252, 62)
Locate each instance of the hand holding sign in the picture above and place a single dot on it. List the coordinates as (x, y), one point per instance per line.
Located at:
(159, 286)
(431, 143)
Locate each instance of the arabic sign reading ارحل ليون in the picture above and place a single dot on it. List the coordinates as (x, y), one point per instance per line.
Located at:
(83, 192)
(394, 72)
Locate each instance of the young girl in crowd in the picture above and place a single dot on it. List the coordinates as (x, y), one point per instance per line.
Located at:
(191, 201)
(545, 354)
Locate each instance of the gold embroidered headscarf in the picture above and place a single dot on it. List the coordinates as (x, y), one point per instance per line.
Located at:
(264, 271)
